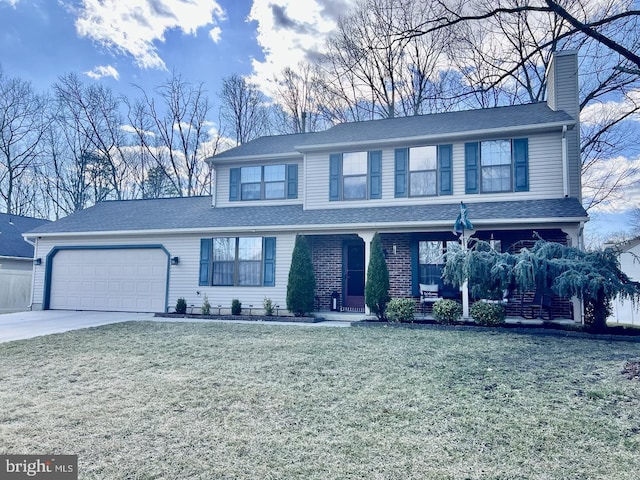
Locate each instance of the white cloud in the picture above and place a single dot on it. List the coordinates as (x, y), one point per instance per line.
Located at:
(12, 3)
(289, 31)
(103, 71)
(595, 112)
(603, 174)
(215, 33)
(135, 26)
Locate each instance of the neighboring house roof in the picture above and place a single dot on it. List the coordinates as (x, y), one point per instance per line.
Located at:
(197, 214)
(11, 229)
(465, 122)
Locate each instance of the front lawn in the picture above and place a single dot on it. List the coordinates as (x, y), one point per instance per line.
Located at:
(206, 401)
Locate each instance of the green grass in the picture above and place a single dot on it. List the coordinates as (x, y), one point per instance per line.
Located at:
(209, 401)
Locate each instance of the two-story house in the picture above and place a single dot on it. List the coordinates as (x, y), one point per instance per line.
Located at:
(517, 169)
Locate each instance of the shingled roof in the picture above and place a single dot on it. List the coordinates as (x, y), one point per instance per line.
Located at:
(11, 229)
(196, 213)
(439, 124)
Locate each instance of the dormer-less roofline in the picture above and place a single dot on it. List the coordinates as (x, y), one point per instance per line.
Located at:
(443, 137)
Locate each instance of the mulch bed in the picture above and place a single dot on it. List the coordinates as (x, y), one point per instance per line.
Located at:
(252, 318)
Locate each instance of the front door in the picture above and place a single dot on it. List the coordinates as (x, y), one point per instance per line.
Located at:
(353, 265)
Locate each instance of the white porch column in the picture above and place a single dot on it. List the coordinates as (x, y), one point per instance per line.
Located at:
(465, 286)
(576, 240)
(368, 238)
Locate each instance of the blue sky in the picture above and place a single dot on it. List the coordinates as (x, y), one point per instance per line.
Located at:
(43, 39)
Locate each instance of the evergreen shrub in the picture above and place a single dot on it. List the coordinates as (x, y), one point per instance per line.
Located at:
(206, 306)
(489, 314)
(267, 305)
(447, 311)
(181, 306)
(377, 286)
(401, 310)
(236, 307)
(302, 281)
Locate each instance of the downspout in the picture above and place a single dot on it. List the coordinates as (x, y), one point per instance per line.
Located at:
(565, 166)
(33, 273)
(214, 183)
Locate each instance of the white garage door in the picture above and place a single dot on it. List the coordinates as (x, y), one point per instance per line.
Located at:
(119, 280)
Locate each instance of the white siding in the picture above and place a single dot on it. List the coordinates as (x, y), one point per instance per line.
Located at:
(545, 178)
(222, 185)
(183, 278)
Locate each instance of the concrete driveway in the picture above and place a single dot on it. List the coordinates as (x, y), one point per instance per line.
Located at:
(16, 326)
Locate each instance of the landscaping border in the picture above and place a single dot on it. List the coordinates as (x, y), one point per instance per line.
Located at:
(630, 335)
(251, 318)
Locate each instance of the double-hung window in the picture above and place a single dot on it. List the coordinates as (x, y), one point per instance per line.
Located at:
(237, 261)
(495, 166)
(355, 175)
(266, 182)
(423, 171)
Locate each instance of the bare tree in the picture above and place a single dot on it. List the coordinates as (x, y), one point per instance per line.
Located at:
(173, 132)
(297, 95)
(22, 126)
(243, 109)
(94, 111)
(372, 72)
(502, 49)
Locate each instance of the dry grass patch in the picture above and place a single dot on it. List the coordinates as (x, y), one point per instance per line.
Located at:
(162, 400)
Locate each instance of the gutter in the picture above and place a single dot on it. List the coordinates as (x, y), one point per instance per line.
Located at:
(440, 137)
(395, 226)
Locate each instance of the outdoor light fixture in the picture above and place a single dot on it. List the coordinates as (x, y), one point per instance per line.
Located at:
(37, 261)
(174, 260)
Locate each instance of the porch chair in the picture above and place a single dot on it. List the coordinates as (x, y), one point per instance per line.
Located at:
(429, 294)
(540, 302)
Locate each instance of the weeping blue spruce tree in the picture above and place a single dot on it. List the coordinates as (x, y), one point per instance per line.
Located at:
(594, 277)
(302, 280)
(377, 286)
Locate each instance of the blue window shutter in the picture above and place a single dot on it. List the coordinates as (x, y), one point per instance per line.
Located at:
(335, 172)
(269, 270)
(375, 174)
(521, 164)
(401, 172)
(472, 167)
(445, 169)
(205, 261)
(292, 181)
(234, 184)
(415, 268)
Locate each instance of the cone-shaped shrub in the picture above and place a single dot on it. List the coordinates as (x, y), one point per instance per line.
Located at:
(302, 281)
(376, 292)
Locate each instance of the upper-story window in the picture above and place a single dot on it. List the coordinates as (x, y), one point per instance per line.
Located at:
(497, 166)
(355, 175)
(266, 182)
(423, 171)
